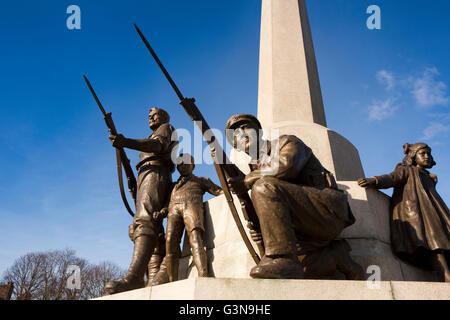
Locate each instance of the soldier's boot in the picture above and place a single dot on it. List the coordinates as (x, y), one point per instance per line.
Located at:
(351, 269)
(201, 261)
(278, 267)
(345, 263)
(154, 266)
(161, 277)
(172, 263)
(134, 278)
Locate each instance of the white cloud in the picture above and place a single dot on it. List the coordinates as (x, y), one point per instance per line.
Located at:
(387, 78)
(428, 91)
(380, 110)
(425, 89)
(434, 129)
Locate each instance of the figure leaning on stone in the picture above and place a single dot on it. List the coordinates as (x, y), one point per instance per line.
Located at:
(300, 209)
(155, 169)
(186, 210)
(419, 218)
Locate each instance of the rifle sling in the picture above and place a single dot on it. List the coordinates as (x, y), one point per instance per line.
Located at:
(122, 189)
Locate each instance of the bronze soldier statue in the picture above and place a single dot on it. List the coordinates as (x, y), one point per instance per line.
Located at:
(156, 260)
(186, 210)
(155, 169)
(299, 207)
(419, 218)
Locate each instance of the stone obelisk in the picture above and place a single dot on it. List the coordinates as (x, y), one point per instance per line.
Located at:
(289, 86)
(289, 96)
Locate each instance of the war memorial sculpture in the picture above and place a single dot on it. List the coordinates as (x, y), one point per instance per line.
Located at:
(186, 211)
(420, 220)
(301, 188)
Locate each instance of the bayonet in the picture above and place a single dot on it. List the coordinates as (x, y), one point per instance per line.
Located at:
(223, 167)
(121, 156)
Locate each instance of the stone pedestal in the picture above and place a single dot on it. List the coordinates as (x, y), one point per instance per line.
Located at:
(369, 238)
(252, 289)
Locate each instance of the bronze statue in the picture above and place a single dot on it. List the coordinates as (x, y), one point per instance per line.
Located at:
(186, 210)
(300, 209)
(156, 260)
(155, 169)
(221, 163)
(420, 220)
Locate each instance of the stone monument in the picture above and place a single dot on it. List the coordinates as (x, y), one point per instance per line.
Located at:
(290, 101)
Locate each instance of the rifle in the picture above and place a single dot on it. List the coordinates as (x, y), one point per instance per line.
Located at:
(121, 156)
(226, 167)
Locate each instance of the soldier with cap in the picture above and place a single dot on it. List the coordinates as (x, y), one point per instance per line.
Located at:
(186, 210)
(296, 199)
(155, 169)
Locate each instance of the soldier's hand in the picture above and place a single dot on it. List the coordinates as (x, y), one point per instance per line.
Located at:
(160, 215)
(116, 140)
(367, 182)
(251, 178)
(255, 235)
(237, 185)
(213, 153)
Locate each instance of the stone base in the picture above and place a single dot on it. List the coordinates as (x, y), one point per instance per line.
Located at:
(255, 289)
(369, 238)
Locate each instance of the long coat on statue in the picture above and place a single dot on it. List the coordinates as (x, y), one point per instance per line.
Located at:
(420, 220)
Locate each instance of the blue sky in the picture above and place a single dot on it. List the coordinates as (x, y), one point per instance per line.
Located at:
(58, 185)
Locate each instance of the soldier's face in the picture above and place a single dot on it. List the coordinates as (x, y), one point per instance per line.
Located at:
(155, 119)
(246, 138)
(424, 158)
(185, 169)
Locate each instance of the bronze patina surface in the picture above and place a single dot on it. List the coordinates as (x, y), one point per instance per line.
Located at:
(300, 209)
(155, 169)
(420, 220)
(186, 211)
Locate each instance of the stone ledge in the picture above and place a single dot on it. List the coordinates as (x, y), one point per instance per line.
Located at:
(268, 289)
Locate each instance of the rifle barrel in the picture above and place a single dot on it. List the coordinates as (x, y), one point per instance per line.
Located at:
(195, 115)
(163, 69)
(95, 95)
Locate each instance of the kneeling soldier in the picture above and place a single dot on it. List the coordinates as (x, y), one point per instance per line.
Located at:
(186, 210)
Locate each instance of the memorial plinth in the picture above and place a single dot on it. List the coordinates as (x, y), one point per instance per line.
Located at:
(369, 238)
(252, 289)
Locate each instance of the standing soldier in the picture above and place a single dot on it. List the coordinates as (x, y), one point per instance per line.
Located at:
(155, 169)
(186, 210)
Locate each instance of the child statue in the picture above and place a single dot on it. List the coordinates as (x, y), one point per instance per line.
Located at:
(186, 210)
(419, 220)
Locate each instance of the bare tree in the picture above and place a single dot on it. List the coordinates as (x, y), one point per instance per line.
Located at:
(43, 276)
(95, 278)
